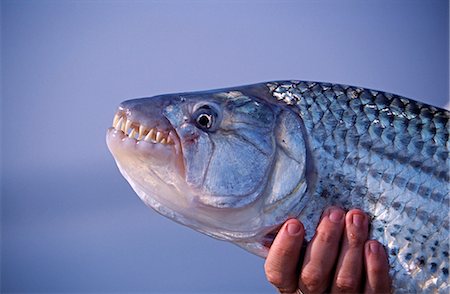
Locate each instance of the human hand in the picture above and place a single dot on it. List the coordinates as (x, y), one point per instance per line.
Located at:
(339, 258)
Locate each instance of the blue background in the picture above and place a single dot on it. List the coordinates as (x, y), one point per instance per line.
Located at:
(69, 221)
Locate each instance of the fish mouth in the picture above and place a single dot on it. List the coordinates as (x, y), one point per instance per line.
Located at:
(150, 140)
(141, 132)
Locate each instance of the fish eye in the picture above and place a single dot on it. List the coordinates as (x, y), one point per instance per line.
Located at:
(205, 117)
(204, 120)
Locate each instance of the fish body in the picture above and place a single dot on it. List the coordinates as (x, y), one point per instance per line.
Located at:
(236, 163)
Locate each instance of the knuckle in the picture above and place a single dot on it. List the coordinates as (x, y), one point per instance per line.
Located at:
(282, 252)
(355, 240)
(312, 279)
(274, 277)
(278, 279)
(327, 237)
(346, 284)
(376, 271)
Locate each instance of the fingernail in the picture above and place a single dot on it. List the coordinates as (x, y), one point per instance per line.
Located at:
(374, 248)
(335, 215)
(293, 229)
(358, 220)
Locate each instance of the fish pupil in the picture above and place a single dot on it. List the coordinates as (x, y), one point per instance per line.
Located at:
(204, 120)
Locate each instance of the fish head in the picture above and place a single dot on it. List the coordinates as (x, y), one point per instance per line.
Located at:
(229, 163)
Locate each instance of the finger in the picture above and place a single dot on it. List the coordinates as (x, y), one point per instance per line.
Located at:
(321, 253)
(377, 268)
(281, 263)
(349, 268)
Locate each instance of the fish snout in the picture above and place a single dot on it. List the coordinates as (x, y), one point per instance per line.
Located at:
(144, 115)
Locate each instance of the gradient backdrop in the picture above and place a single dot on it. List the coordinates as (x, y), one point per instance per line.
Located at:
(69, 221)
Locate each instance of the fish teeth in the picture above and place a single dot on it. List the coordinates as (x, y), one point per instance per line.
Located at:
(116, 120)
(118, 125)
(127, 125)
(141, 132)
(159, 136)
(170, 138)
(150, 136)
(124, 125)
(132, 133)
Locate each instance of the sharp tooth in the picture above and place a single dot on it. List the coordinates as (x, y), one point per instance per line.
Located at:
(159, 136)
(163, 141)
(170, 138)
(127, 125)
(148, 138)
(151, 134)
(132, 133)
(124, 129)
(119, 124)
(141, 132)
(116, 119)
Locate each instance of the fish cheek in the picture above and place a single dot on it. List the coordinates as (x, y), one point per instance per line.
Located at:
(195, 144)
(197, 149)
(237, 173)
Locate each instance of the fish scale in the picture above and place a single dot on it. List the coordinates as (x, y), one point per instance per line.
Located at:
(387, 155)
